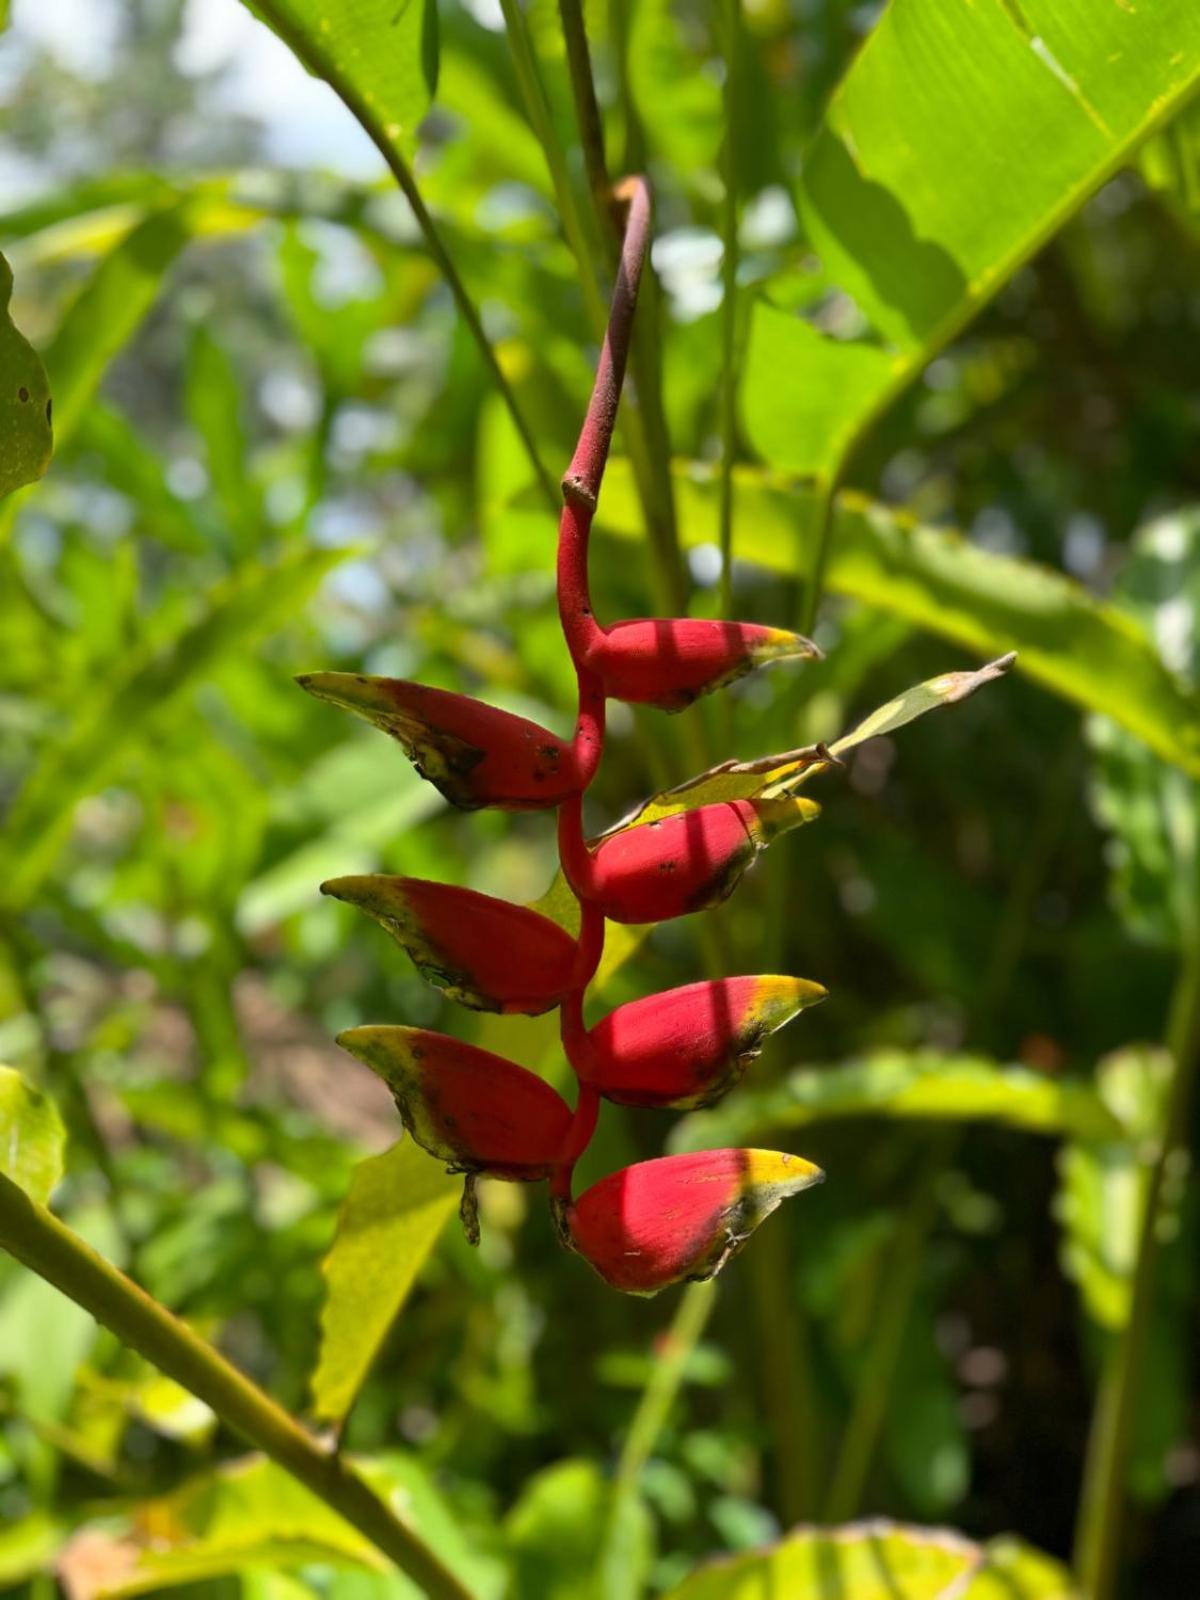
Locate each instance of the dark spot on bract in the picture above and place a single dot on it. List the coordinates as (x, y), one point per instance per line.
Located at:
(49, 410)
(23, 395)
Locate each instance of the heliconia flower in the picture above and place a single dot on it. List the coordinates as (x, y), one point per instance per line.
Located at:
(654, 1224)
(685, 862)
(475, 754)
(474, 1110)
(669, 662)
(686, 1047)
(485, 953)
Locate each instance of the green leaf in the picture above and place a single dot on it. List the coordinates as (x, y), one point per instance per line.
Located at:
(677, 99)
(1103, 1184)
(1086, 650)
(26, 439)
(118, 712)
(108, 310)
(247, 1513)
(32, 1138)
(556, 1530)
(379, 56)
(881, 1561)
(803, 395)
(960, 139)
(214, 404)
(389, 1222)
(920, 1085)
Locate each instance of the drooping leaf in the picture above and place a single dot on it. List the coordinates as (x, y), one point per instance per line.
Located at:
(26, 436)
(32, 1138)
(397, 1206)
(379, 56)
(881, 1561)
(119, 711)
(921, 1085)
(1090, 652)
(961, 138)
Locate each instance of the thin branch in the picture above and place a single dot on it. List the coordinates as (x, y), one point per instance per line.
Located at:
(303, 48)
(729, 272)
(46, 1246)
(587, 110)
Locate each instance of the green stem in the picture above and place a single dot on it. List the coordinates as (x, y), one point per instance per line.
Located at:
(43, 1244)
(537, 108)
(1098, 1536)
(783, 1357)
(687, 1325)
(814, 586)
(307, 52)
(903, 1274)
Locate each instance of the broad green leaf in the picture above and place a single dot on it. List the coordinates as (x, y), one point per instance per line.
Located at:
(118, 712)
(804, 394)
(920, 1085)
(960, 139)
(555, 1534)
(32, 1138)
(390, 1221)
(1086, 650)
(881, 1561)
(26, 438)
(246, 1513)
(379, 57)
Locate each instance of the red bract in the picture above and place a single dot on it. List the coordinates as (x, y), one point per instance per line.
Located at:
(654, 1224)
(686, 1047)
(475, 754)
(485, 953)
(472, 1109)
(668, 663)
(682, 863)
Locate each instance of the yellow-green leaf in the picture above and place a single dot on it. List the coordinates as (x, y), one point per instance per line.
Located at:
(881, 1561)
(920, 1085)
(26, 438)
(390, 1221)
(31, 1136)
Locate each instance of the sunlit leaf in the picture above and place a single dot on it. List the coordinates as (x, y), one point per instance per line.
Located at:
(26, 437)
(920, 1085)
(1086, 650)
(960, 139)
(28, 1546)
(32, 1138)
(380, 58)
(881, 1561)
(390, 1221)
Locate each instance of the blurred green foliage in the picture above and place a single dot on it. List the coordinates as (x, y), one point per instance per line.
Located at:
(279, 450)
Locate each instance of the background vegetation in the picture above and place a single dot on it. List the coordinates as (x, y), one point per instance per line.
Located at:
(963, 291)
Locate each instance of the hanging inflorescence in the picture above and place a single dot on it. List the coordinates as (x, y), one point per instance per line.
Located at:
(660, 1221)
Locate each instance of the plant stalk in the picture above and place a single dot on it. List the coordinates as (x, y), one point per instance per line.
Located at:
(46, 1246)
(1102, 1498)
(729, 273)
(400, 170)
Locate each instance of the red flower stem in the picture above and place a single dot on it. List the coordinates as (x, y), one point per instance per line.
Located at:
(581, 488)
(581, 485)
